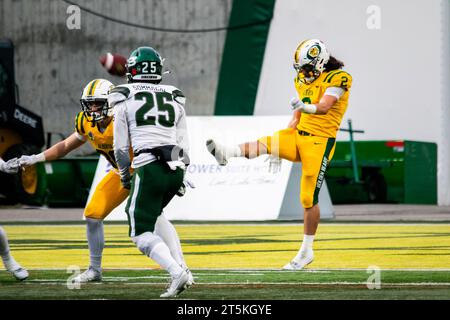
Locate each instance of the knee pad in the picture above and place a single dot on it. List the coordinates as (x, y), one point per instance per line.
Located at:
(97, 209)
(95, 213)
(306, 200)
(146, 242)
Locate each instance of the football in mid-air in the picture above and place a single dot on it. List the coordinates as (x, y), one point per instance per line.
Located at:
(114, 63)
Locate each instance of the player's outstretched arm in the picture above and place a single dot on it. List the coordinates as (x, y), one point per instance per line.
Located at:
(11, 166)
(55, 152)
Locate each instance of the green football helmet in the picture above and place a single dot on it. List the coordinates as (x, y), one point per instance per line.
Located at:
(144, 64)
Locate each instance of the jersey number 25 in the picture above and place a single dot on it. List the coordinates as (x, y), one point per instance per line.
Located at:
(163, 103)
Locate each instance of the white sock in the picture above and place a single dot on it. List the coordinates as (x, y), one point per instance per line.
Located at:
(161, 255)
(8, 260)
(4, 247)
(306, 245)
(96, 242)
(233, 151)
(167, 232)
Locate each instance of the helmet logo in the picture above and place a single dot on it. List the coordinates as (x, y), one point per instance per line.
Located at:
(91, 136)
(313, 52)
(131, 61)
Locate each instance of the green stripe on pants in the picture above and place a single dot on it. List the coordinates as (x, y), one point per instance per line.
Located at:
(153, 186)
(323, 169)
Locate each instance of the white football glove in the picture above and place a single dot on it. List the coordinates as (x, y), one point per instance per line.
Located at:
(274, 164)
(298, 105)
(11, 166)
(26, 161)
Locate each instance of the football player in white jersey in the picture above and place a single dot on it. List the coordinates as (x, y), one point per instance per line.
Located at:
(12, 166)
(151, 118)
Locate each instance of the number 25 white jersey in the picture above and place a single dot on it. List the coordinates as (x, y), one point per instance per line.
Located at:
(147, 116)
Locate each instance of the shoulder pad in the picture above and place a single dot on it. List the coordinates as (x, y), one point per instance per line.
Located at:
(122, 90)
(118, 94)
(178, 96)
(338, 78)
(79, 123)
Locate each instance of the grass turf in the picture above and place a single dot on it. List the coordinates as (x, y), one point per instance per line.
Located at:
(241, 262)
(234, 284)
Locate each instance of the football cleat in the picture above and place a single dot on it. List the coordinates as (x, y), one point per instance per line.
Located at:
(305, 259)
(218, 151)
(19, 273)
(16, 269)
(90, 275)
(177, 285)
(190, 281)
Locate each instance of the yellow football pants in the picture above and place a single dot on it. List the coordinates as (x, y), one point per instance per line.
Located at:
(312, 151)
(108, 195)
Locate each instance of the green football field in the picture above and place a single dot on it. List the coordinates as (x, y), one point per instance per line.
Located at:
(241, 261)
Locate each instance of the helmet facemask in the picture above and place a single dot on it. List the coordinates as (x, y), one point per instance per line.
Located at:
(95, 109)
(306, 73)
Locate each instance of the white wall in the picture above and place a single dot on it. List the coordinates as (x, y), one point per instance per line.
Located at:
(444, 141)
(395, 91)
(398, 82)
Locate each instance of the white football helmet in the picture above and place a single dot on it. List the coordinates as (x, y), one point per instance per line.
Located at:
(94, 100)
(309, 59)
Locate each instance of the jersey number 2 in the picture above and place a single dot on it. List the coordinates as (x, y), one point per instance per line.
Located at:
(166, 112)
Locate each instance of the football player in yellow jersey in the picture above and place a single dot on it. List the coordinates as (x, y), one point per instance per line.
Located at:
(94, 125)
(323, 92)
(11, 167)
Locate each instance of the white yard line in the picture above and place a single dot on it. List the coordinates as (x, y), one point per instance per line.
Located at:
(244, 270)
(330, 283)
(333, 283)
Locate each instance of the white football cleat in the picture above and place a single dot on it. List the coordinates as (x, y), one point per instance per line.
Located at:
(177, 285)
(218, 151)
(190, 281)
(16, 269)
(90, 275)
(305, 259)
(19, 273)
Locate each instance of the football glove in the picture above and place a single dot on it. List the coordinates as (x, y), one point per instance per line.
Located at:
(298, 105)
(11, 166)
(126, 182)
(274, 164)
(186, 183)
(26, 161)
